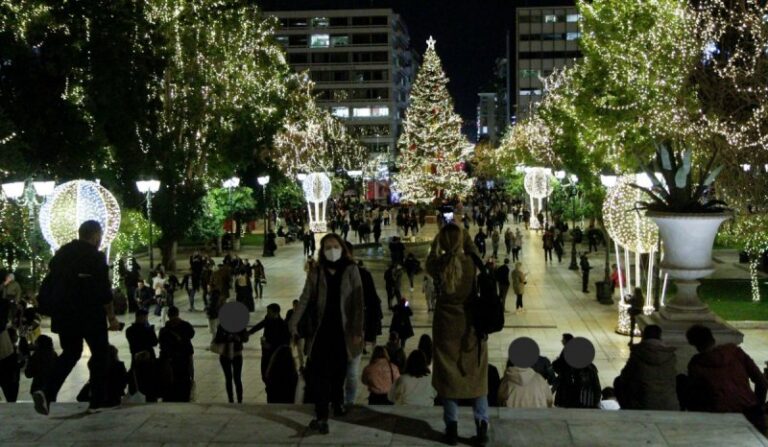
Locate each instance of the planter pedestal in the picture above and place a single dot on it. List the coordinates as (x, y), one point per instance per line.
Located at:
(688, 240)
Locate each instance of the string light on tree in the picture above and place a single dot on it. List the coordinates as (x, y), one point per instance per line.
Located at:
(73, 203)
(538, 185)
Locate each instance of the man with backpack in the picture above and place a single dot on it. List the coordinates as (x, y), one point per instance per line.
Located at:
(77, 294)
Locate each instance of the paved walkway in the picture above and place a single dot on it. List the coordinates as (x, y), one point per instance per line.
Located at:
(285, 425)
(553, 300)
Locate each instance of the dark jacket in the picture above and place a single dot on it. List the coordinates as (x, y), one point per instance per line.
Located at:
(576, 388)
(647, 381)
(141, 338)
(176, 339)
(276, 332)
(39, 368)
(372, 306)
(80, 288)
(720, 380)
(401, 321)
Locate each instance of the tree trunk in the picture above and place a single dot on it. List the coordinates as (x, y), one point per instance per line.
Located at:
(168, 254)
(218, 245)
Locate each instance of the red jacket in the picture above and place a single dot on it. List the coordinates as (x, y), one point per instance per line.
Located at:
(720, 380)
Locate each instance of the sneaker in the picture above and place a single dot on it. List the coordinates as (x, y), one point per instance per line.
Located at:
(41, 402)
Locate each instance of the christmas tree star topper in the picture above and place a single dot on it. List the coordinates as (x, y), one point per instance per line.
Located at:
(431, 43)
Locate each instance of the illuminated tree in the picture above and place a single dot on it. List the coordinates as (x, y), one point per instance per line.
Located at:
(311, 140)
(223, 94)
(431, 146)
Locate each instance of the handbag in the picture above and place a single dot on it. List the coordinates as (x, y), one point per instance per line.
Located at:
(308, 322)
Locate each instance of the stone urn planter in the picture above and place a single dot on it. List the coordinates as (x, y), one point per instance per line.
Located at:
(688, 239)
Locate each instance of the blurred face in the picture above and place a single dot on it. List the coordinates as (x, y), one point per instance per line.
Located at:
(95, 240)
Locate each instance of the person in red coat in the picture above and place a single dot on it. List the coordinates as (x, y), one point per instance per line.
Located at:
(719, 379)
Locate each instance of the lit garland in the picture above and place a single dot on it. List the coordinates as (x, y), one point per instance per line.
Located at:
(431, 146)
(624, 224)
(73, 203)
(317, 189)
(537, 183)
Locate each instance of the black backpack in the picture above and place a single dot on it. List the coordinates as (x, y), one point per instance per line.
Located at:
(485, 307)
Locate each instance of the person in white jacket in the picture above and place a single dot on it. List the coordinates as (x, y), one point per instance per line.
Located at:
(414, 387)
(524, 388)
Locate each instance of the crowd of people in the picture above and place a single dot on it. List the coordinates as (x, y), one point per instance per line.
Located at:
(314, 354)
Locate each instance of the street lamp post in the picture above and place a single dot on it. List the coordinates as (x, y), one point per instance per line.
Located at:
(149, 187)
(263, 181)
(561, 175)
(19, 191)
(231, 184)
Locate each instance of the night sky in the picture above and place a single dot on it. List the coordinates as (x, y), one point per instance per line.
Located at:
(470, 36)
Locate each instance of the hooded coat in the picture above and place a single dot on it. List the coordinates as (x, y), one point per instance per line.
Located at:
(460, 362)
(648, 380)
(524, 388)
(720, 380)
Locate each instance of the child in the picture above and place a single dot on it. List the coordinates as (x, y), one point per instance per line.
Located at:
(41, 363)
(609, 401)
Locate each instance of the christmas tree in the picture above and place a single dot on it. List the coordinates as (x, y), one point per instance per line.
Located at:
(430, 159)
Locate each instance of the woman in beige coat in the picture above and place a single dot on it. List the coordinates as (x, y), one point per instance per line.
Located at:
(335, 287)
(460, 359)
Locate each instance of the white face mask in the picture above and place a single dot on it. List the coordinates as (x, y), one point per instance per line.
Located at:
(332, 254)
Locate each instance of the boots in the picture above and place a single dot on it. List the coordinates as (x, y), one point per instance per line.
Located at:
(482, 432)
(452, 433)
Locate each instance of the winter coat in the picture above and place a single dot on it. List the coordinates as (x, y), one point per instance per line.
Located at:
(524, 388)
(460, 363)
(409, 390)
(373, 314)
(648, 380)
(380, 375)
(518, 281)
(576, 388)
(352, 302)
(720, 380)
(401, 321)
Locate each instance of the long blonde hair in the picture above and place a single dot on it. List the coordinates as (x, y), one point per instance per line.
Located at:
(450, 241)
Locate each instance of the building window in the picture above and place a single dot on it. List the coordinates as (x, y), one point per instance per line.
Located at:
(340, 112)
(550, 18)
(297, 58)
(529, 74)
(297, 40)
(337, 22)
(320, 41)
(320, 22)
(340, 40)
(282, 40)
(572, 18)
(530, 92)
(361, 112)
(297, 23)
(573, 36)
(380, 111)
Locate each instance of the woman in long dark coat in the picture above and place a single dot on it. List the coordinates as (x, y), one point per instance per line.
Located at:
(460, 363)
(335, 287)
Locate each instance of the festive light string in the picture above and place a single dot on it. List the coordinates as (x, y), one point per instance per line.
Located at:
(73, 203)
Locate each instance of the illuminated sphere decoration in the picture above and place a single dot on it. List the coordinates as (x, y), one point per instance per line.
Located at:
(537, 182)
(317, 187)
(73, 203)
(628, 227)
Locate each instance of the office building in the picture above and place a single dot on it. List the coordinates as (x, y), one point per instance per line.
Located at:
(489, 124)
(362, 66)
(547, 38)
